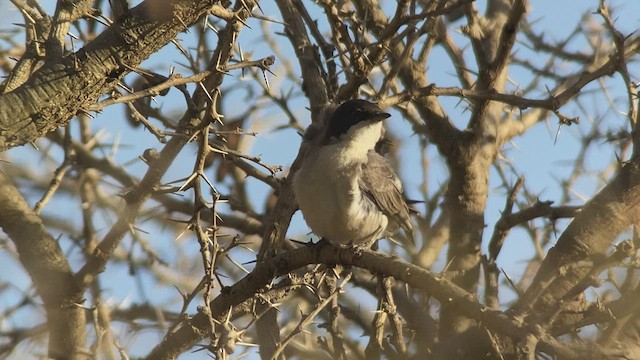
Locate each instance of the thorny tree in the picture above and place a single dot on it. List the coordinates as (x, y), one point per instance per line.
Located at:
(175, 201)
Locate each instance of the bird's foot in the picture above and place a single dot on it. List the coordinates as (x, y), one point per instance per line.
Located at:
(310, 242)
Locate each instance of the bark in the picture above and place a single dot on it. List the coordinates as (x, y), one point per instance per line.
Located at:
(590, 234)
(65, 86)
(474, 153)
(49, 270)
(445, 291)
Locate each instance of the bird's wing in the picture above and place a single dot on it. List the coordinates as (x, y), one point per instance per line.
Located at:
(381, 184)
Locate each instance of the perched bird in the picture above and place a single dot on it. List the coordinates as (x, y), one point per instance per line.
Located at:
(347, 192)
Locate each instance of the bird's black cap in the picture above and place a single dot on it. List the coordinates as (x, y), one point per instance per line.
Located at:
(352, 112)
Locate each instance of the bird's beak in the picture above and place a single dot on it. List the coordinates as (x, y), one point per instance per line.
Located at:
(378, 115)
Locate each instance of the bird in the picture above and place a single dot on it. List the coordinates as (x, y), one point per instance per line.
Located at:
(347, 192)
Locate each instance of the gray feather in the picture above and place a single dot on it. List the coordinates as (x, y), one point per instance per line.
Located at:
(382, 186)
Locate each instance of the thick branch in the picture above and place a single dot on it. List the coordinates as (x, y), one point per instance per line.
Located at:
(609, 213)
(307, 54)
(52, 276)
(377, 263)
(61, 89)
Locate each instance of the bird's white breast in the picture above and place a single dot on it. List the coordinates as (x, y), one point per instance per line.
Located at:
(329, 196)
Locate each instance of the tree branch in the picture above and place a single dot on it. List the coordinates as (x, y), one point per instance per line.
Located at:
(49, 99)
(50, 272)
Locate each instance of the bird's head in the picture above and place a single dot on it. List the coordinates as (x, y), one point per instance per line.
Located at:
(356, 120)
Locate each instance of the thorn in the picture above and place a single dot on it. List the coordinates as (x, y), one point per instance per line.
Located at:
(242, 21)
(205, 90)
(266, 81)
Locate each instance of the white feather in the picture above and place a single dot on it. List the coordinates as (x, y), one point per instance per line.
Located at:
(328, 193)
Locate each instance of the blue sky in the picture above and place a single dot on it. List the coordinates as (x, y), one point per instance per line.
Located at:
(534, 155)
